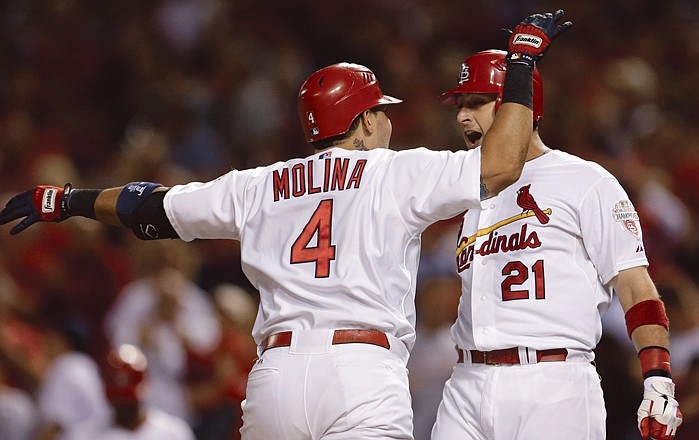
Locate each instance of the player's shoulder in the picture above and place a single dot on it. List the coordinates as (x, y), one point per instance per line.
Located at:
(76, 365)
(581, 167)
(175, 427)
(331, 153)
(90, 429)
(422, 153)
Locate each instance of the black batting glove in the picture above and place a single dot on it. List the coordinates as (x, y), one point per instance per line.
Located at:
(41, 204)
(532, 37)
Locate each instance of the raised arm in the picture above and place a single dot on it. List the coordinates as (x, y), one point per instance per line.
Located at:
(506, 143)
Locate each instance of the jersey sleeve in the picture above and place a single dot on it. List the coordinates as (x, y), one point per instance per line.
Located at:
(433, 185)
(208, 210)
(611, 229)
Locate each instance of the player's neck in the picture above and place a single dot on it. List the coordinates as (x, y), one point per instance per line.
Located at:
(358, 143)
(537, 147)
(131, 417)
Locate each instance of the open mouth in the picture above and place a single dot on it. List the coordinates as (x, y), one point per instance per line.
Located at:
(473, 137)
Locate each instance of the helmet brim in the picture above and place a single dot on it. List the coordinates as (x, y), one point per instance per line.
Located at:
(389, 100)
(448, 98)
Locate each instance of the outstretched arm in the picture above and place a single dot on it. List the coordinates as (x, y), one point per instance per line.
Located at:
(506, 143)
(137, 206)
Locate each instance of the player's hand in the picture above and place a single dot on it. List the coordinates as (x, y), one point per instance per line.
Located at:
(41, 204)
(659, 414)
(532, 37)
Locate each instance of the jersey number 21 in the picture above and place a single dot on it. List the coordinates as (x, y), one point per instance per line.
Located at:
(516, 273)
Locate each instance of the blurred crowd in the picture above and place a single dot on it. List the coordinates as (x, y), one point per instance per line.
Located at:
(101, 93)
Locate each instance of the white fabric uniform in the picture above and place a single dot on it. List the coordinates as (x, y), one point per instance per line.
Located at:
(71, 391)
(195, 325)
(158, 425)
(18, 414)
(538, 282)
(331, 241)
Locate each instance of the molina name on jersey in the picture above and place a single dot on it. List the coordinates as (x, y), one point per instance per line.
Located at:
(298, 180)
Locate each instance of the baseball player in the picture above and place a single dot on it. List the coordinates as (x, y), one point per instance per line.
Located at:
(539, 263)
(331, 241)
(124, 374)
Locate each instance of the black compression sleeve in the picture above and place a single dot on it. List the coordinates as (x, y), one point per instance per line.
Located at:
(81, 202)
(518, 86)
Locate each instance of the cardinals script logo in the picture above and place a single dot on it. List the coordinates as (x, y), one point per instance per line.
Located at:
(495, 242)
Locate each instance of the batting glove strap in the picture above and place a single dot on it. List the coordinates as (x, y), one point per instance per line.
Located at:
(48, 201)
(528, 39)
(527, 59)
(659, 413)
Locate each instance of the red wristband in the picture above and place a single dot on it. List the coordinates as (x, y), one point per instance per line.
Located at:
(655, 361)
(648, 312)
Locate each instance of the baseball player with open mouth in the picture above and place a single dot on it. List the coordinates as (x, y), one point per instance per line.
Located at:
(539, 263)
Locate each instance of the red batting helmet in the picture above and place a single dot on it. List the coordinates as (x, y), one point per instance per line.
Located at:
(334, 96)
(484, 72)
(124, 373)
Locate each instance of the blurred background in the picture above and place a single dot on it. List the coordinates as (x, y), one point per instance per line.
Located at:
(100, 93)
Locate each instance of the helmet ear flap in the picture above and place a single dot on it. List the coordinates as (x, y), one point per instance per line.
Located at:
(538, 96)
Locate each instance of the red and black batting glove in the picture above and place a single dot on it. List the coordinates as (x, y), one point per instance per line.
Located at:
(531, 38)
(41, 204)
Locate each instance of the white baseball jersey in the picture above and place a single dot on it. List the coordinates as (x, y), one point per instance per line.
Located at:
(157, 425)
(71, 391)
(331, 240)
(535, 260)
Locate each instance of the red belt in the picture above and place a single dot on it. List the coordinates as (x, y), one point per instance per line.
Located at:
(348, 336)
(511, 356)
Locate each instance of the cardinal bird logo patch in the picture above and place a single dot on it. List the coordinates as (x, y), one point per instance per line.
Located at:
(526, 201)
(624, 213)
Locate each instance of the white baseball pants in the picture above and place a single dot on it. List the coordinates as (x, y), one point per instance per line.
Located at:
(547, 400)
(316, 390)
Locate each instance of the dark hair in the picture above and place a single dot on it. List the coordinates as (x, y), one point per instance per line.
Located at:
(331, 141)
(75, 332)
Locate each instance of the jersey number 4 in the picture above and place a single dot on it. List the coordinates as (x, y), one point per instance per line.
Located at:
(319, 226)
(516, 273)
